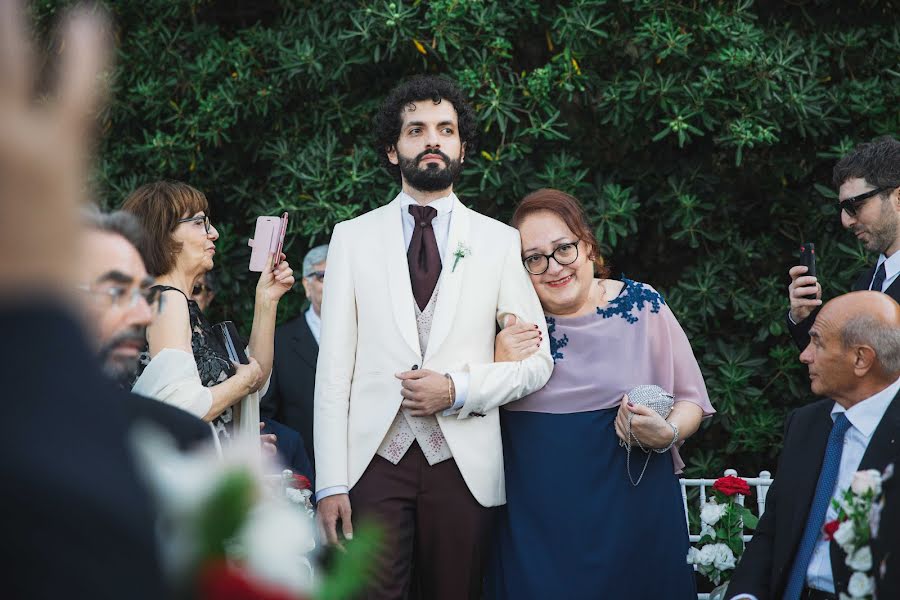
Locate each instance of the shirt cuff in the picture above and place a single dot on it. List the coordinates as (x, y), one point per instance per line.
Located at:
(331, 491)
(793, 322)
(461, 383)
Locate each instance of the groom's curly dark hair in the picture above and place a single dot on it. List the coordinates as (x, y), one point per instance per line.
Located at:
(389, 118)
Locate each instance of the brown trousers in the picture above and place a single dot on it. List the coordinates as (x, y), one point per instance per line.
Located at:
(436, 533)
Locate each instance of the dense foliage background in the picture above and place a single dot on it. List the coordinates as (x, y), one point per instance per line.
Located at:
(699, 134)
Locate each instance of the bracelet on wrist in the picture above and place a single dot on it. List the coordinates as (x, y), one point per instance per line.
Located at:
(449, 390)
(672, 443)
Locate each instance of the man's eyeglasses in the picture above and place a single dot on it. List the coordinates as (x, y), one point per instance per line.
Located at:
(118, 294)
(851, 205)
(319, 275)
(565, 254)
(203, 218)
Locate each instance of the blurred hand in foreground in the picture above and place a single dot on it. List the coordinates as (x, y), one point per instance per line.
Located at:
(45, 150)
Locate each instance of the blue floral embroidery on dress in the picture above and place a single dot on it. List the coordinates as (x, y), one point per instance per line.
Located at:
(555, 344)
(633, 296)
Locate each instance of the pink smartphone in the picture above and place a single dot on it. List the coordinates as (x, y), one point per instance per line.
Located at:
(268, 238)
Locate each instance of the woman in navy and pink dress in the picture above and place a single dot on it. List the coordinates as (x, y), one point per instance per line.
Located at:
(574, 526)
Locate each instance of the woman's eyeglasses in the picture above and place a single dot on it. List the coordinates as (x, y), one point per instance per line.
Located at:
(203, 218)
(852, 205)
(565, 254)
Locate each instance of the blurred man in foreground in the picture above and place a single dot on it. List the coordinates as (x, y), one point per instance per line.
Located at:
(77, 518)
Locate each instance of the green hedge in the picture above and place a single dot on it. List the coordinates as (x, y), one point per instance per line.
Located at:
(700, 135)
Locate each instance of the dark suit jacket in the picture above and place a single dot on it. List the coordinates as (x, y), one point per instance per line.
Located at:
(766, 564)
(289, 399)
(800, 331)
(186, 429)
(76, 519)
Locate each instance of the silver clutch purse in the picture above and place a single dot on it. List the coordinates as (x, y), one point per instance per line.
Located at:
(656, 398)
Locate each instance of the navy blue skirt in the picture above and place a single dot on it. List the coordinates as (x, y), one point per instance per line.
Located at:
(574, 527)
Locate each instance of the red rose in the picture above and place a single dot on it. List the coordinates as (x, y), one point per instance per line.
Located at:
(731, 485)
(829, 528)
(301, 482)
(220, 581)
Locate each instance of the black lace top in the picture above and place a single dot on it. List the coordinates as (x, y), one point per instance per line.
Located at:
(210, 355)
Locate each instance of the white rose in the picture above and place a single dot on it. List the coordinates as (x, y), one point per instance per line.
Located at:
(860, 585)
(844, 535)
(276, 538)
(864, 481)
(707, 554)
(712, 512)
(693, 556)
(707, 530)
(861, 560)
(724, 557)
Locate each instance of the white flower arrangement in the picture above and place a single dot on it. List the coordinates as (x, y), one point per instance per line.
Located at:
(853, 529)
(461, 252)
(722, 522)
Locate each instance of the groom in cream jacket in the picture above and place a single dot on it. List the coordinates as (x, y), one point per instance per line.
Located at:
(407, 427)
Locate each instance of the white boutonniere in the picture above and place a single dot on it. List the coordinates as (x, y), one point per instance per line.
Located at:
(462, 251)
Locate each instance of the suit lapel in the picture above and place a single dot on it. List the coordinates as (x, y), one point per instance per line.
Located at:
(864, 281)
(399, 284)
(451, 279)
(304, 344)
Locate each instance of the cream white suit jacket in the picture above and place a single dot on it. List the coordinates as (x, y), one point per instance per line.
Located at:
(369, 334)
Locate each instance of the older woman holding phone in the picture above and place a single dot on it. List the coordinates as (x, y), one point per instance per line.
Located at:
(574, 524)
(186, 363)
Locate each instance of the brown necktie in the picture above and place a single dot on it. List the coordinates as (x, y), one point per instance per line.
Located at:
(423, 256)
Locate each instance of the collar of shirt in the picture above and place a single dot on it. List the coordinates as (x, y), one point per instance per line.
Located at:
(866, 415)
(891, 269)
(315, 323)
(440, 224)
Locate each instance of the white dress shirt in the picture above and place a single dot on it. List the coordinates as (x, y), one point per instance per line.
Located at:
(315, 323)
(891, 270)
(864, 419)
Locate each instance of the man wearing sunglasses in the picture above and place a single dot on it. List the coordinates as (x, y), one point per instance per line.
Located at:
(289, 399)
(868, 182)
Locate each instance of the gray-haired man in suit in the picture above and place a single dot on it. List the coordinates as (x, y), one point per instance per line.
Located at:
(290, 396)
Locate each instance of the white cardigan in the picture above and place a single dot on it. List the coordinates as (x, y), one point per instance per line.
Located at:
(172, 377)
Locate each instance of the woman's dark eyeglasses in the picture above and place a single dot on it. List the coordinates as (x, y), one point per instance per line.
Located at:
(203, 218)
(565, 254)
(851, 205)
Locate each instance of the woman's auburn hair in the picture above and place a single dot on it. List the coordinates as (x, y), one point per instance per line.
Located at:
(159, 206)
(569, 209)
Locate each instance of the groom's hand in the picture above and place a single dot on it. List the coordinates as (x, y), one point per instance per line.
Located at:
(426, 392)
(328, 511)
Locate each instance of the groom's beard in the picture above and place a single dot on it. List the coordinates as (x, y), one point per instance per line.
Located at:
(432, 177)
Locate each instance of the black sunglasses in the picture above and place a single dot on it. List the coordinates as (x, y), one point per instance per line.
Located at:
(851, 205)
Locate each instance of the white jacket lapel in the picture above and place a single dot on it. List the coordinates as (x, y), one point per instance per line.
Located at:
(398, 281)
(451, 278)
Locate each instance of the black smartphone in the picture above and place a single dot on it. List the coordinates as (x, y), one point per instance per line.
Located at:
(808, 257)
(234, 345)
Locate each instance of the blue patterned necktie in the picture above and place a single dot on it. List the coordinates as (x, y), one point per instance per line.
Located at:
(816, 519)
(879, 278)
